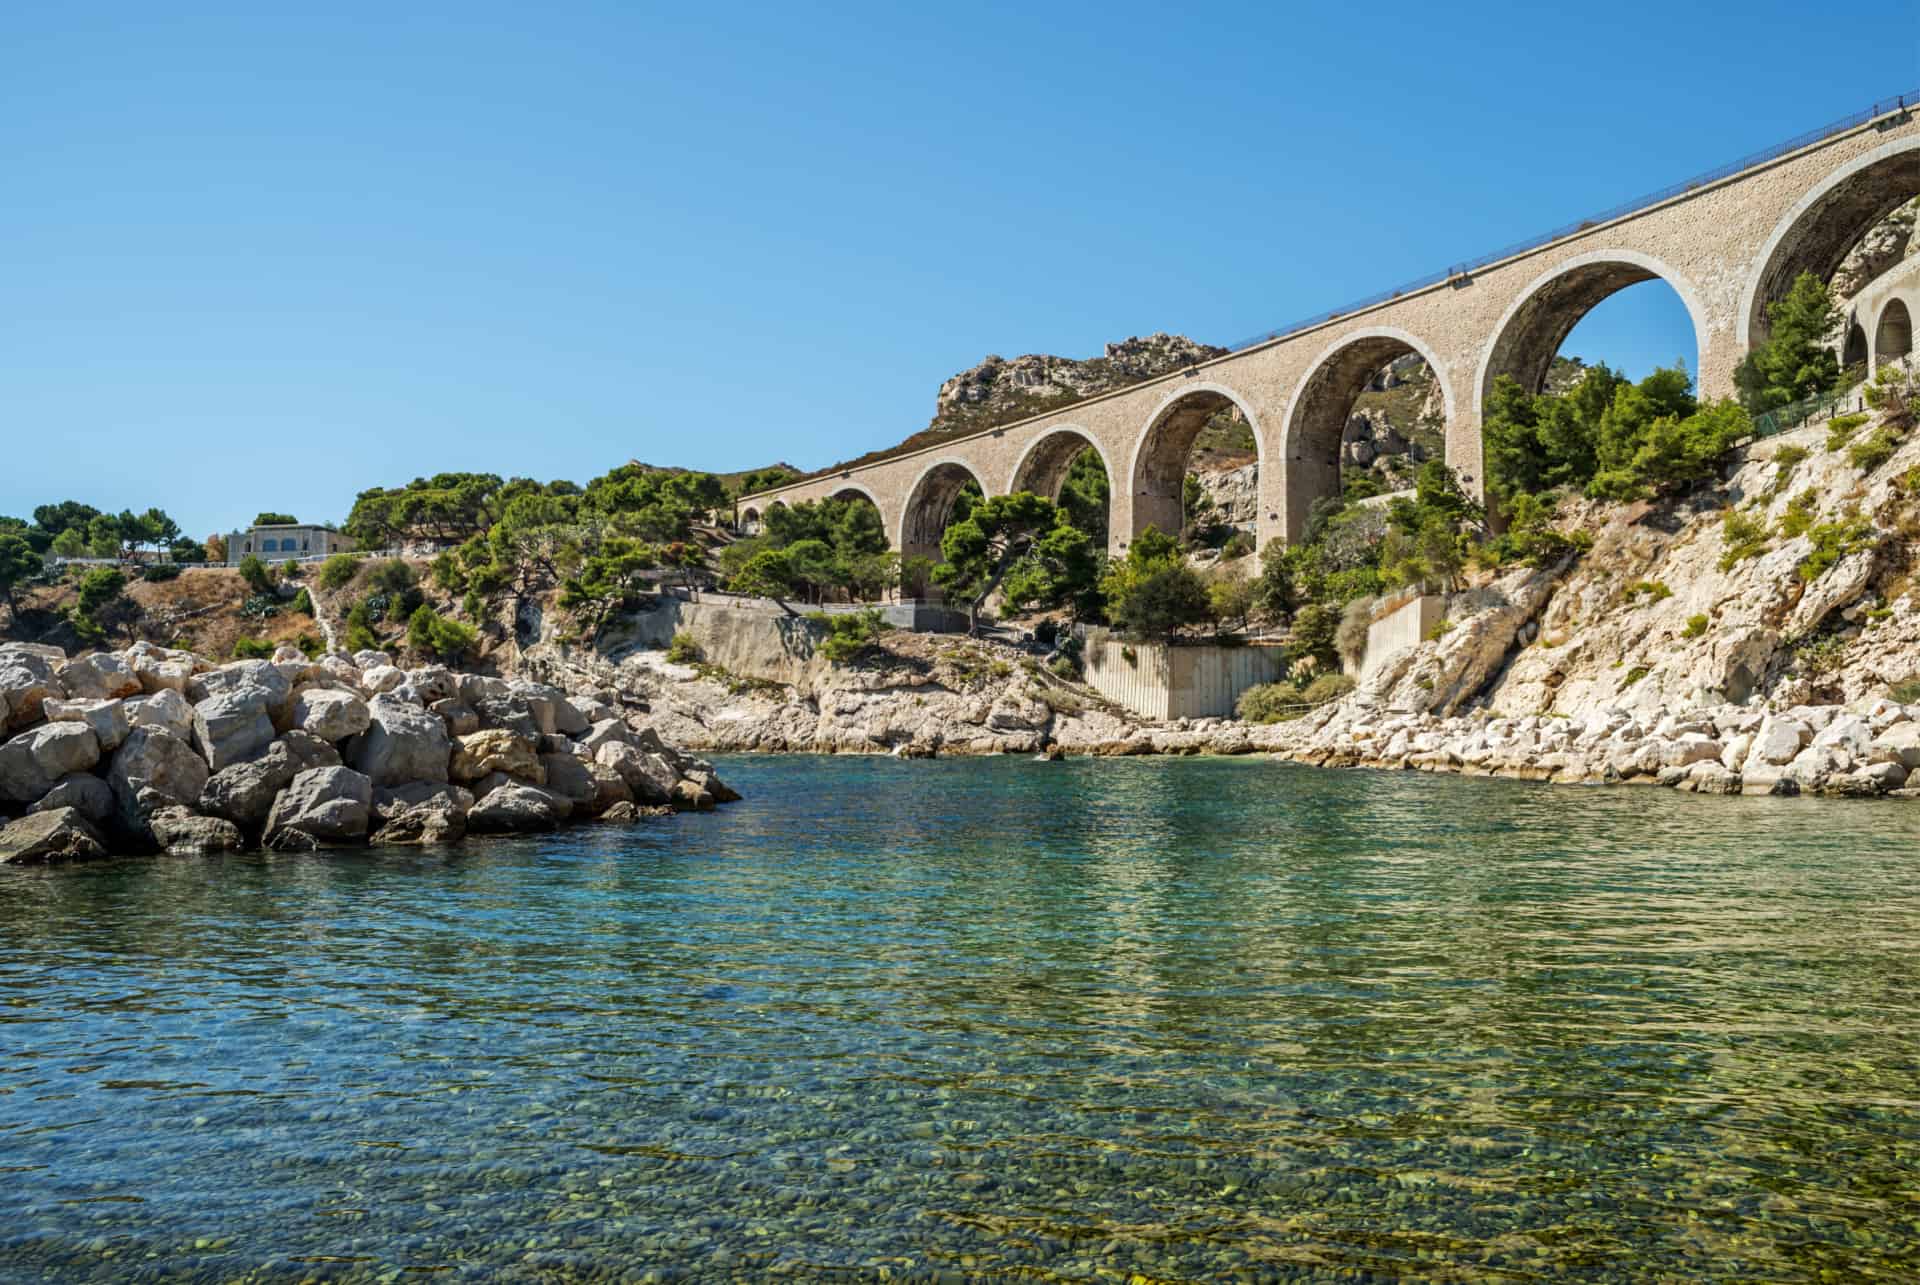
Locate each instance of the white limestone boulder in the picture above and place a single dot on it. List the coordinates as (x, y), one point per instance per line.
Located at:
(330, 714)
(100, 676)
(32, 762)
(402, 744)
(107, 718)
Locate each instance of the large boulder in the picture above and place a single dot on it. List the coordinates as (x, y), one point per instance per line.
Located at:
(322, 807)
(383, 678)
(244, 793)
(33, 761)
(107, 718)
(422, 813)
(402, 743)
(649, 776)
(510, 713)
(27, 680)
(101, 676)
(178, 833)
(551, 710)
(153, 759)
(84, 792)
(161, 674)
(61, 834)
(568, 776)
(233, 725)
(496, 750)
(259, 675)
(1900, 744)
(166, 709)
(601, 733)
(330, 714)
(517, 808)
(460, 717)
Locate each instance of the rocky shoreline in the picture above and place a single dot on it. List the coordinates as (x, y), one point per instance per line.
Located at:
(153, 750)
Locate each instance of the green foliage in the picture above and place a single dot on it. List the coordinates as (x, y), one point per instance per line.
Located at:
(1696, 625)
(432, 634)
(256, 573)
(1798, 519)
(338, 571)
(449, 573)
(1655, 590)
(1841, 428)
(765, 574)
(1316, 632)
(1744, 536)
(1230, 600)
(1832, 541)
(261, 606)
(1162, 603)
(1634, 675)
(651, 505)
(309, 646)
(1238, 545)
(360, 635)
(1797, 360)
(1271, 703)
(1785, 460)
(18, 563)
(683, 650)
(302, 603)
(764, 480)
(1875, 450)
(100, 599)
(1531, 536)
(849, 633)
(1021, 544)
(1327, 687)
(246, 648)
(189, 551)
(1084, 496)
(1817, 655)
(1906, 691)
(274, 519)
(446, 506)
(609, 580)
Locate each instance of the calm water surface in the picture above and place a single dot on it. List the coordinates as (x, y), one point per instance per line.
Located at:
(1150, 1019)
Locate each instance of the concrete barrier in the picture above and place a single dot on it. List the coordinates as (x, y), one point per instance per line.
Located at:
(1406, 626)
(1162, 682)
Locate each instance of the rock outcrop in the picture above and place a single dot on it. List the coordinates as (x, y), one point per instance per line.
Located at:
(152, 750)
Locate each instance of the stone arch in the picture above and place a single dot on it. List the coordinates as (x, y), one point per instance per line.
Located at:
(929, 506)
(1815, 235)
(1317, 413)
(1538, 321)
(1157, 473)
(1042, 467)
(849, 490)
(1892, 333)
(1854, 351)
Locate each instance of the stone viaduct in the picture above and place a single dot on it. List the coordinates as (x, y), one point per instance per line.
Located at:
(1729, 244)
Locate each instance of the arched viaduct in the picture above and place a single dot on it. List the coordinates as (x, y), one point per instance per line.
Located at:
(1729, 245)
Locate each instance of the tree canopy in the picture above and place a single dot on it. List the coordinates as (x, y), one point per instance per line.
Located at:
(1797, 359)
(1021, 541)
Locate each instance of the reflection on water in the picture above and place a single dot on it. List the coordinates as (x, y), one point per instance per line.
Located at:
(1175, 1018)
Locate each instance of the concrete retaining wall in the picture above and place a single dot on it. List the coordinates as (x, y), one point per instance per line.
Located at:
(1407, 626)
(1157, 681)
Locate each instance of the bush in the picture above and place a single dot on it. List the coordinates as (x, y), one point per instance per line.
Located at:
(1656, 590)
(261, 607)
(1315, 630)
(1833, 541)
(360, 635)
(309, 646)
(1162, 603)
(1271, 703)
(245, 648)
(338, 571)
(1064, 666)
(1876, 450)
(1744, 535)
(683, 650)
(1696, 625)
(1840, 430)
(1327, 687)
(432, 633)
(160, 571)
(1906, 691)
(1798, 519)
(849, 633)
(1350, 637)
(302, 603)
(255, 572)
(1237, 546)
(100, 595)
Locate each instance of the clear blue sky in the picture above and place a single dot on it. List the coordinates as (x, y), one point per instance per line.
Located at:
(262, 256)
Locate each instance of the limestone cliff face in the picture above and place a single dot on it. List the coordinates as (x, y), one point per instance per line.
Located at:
(1889, 242)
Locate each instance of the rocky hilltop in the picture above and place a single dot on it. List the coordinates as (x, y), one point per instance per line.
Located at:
(152, 749)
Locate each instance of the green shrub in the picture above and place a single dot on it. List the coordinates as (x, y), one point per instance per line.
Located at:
(1441, 628)
(1840, 431)
(338, 571)
(160, 571)
(1237, 546)
(1786, 460)
(302, 603)
(309, 646)
(1798, 519)
(1327, 687)
(1065, 667)
(257, 575)
(1634, 675)
(1696, 625)
(1833, 541)
(1656, 590)
(261, 606)
(432, 633)
(1744, 535)
(1906, 691)
(1271, 703)
(245, 648)
(1876, 449)
(1814, 657)
(360, 635)
(849, 633)
(683, 650)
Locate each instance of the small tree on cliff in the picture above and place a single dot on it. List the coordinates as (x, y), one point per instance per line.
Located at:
(1021, 539)
(1797, 360)
(18, 561)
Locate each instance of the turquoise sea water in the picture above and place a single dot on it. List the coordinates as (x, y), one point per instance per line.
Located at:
(1150, 1019)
